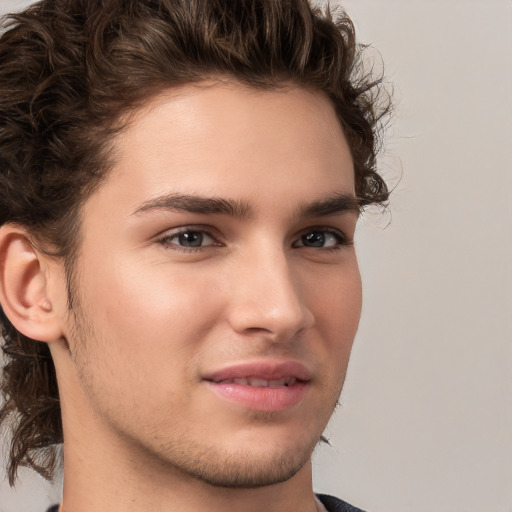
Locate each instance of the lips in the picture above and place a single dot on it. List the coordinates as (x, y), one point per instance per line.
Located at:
(264, 370)
(261, 383)
(262, 386)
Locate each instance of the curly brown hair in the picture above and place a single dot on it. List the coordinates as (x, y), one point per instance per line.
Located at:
(70, 70)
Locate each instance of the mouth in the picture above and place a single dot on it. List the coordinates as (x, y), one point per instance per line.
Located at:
(261, 383)
(261, 386)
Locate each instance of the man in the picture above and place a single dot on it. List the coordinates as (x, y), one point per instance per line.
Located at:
(180, 185)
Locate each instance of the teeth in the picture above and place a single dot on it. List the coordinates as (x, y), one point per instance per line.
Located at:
(258, 383)
(262, 383)
(288, 381)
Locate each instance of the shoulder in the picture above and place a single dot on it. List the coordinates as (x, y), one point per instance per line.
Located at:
(333, 504)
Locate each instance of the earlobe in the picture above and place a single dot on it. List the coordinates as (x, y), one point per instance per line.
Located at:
(23, 286)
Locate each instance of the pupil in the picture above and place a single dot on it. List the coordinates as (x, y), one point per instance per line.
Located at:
(314, 239)
(191, 239)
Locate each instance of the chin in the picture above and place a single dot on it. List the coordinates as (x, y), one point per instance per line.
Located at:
(247, 462)
(250, 471)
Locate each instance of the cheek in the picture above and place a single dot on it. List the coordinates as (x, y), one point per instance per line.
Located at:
(337, 303)
(337, 311)
(143, 300)
(149, 317)
(142, 330)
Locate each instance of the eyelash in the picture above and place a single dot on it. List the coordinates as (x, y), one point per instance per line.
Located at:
(165, 240)
(342, 240)
(339, 236)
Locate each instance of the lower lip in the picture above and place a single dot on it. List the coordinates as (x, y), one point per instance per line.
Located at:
(261, 398)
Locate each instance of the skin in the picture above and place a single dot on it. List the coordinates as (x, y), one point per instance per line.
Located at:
(153, 319)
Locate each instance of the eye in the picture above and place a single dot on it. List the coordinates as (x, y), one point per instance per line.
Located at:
(321, 238)
(189, 239)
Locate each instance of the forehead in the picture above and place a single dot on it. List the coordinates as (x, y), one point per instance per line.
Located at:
(228, 140)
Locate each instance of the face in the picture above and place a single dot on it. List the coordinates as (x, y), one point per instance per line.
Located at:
(217, 292)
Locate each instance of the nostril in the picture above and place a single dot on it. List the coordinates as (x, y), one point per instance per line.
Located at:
(256, 330)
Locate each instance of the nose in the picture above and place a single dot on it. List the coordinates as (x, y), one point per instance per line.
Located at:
(268, 298)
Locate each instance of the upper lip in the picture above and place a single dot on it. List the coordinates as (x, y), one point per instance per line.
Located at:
(267, 370)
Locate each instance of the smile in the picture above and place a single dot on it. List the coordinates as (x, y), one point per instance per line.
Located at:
(261, 386)
(261, 383)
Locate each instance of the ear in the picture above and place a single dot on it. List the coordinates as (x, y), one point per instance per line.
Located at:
(23, 286)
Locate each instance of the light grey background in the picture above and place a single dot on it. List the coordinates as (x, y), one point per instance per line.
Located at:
(426, 416)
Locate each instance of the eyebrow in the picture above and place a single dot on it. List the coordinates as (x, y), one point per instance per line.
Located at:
(337, 203)
(197, 204)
